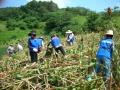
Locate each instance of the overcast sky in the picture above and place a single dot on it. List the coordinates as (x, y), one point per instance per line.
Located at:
(96, 5)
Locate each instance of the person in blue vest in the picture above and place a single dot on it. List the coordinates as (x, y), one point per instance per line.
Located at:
(70, 37)
(104, 55)
(34, 46)
(56, 44)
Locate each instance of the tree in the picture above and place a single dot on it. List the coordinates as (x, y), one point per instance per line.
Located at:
(57, 22)
(91, 24)
(11, 24)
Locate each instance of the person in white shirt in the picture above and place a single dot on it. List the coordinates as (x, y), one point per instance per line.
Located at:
(70, 37)
(19, 47)
(10, 50)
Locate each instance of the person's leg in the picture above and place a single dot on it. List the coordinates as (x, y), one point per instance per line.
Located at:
(62, 50)
(32, 56)
(69, 42)
(98, 65)
(57, 50)
(72, 42)
(107, 69)
(35, 56)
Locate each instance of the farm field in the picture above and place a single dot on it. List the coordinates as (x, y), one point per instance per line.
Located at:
(60, 73)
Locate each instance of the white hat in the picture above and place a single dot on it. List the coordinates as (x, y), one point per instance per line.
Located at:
(109, 32)
(69, 31)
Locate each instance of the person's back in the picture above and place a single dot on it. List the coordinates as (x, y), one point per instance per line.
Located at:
(71, 37)
(56, 44)
(55, 41)
(105, 48)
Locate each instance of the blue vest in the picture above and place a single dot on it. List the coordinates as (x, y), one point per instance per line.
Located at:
(55, 42)
(105, 48)
(33, 43)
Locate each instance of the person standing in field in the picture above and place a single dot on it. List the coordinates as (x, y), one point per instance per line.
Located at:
(104, 55)
(56, 44)
(70, 37)
(34, 47)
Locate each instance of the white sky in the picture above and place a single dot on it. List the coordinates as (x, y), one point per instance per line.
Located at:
(60, 3)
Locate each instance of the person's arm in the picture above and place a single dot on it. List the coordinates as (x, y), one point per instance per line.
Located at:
(112, 49)
(42, 43)
(29, 45)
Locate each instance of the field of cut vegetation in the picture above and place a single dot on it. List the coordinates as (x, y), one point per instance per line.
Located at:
(58, 73)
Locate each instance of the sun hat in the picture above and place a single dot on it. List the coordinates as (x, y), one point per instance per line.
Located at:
(109, 32)
(69, 31)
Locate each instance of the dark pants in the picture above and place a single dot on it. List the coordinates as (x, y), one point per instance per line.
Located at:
(33, 56)
(60, 49)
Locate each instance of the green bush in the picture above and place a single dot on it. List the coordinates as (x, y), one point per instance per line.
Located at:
(11, 24)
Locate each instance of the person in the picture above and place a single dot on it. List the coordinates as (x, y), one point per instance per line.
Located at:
(10, 50)
(41, 39)
(34, 47)
(104, 55)
(56, 44)
(70, 37)
(19, 47)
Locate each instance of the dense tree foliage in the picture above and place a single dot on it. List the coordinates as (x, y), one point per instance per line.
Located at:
(58, 21)
(78, 10)
(27, 16)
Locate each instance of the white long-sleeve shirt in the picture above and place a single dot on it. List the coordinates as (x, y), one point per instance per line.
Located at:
(70, 36)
